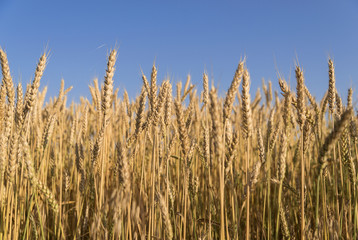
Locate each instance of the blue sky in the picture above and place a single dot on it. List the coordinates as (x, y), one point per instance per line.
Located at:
(182, 37)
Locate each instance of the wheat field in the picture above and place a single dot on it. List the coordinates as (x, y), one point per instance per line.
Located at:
(175, 163)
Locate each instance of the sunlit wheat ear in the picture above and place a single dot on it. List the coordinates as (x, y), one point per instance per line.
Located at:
(307, 130)
(287, 113)
(96, 95)
(301, 108)
(188, 113)
(339, 105)
(230, 95)
(84, 123)
(26, 97)
(46, 136)
(33, 90)
(3, 162)
(354, 130)
(19, 117)
(158, 112)
(193, 184)
(178, 91)
(277, 100)
(331, 86)
(13, 156)
(183, 134)
(346, 155)
(42, 96)
(108, 85)
(316, 108)
(310, 98)
(97, 146)
(165, 216)
(124, 168)
(2, 103)
(205, 89)
(9, 116)
(66, 181)
(284, 225)
(216, 120)
(323, 104)
(7, 79)
(273, 137)
(261, 147)
(257, 100)
(246, 110)
(146, 84)
(283, 85)
(228, 132)
(282, 157)
(153, 89)
(168, 105)
(140, 114)
(74, 128)
(187, 83)
(60, 94)
(125, 100)
(187, 91)
(80, 165)
(264, 86)
(270, 127)
(92, 105)
(79, 159)
(61, 97)
(332, 138)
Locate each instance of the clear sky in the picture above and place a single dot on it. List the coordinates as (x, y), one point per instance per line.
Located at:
(181, 37)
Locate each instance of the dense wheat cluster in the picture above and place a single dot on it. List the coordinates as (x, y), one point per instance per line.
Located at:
(174, 163)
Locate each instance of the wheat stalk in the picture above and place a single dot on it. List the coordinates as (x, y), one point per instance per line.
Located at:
(301, 108)
(247, 129)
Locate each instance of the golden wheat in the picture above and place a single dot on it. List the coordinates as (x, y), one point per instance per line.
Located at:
(178, 166)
